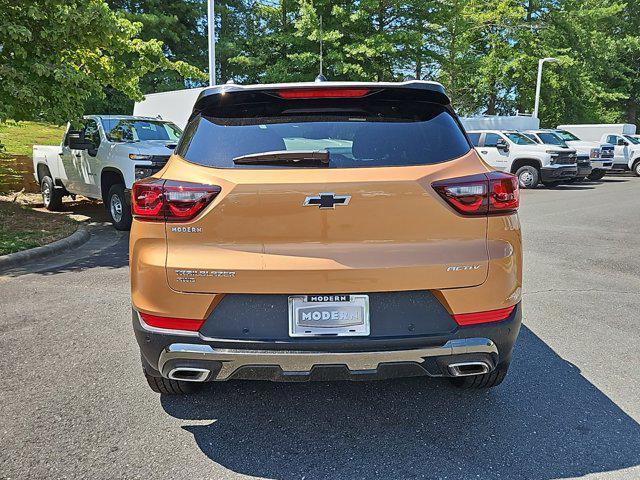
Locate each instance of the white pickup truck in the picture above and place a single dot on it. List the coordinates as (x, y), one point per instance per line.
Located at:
(598, 153)
(626, 151)
(514, 152)
(102, 159)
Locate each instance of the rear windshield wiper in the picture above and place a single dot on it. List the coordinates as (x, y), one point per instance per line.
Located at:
(297, 158)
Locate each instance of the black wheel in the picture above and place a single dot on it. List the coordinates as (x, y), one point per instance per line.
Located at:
(51, 196)
(528, 176)
(636, 168)
(118, 207)
(596, 175)
(171, 387)
(486, 380)
(551, 184)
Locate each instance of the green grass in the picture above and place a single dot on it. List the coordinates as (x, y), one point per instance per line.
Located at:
(11, 242)
(18, 138)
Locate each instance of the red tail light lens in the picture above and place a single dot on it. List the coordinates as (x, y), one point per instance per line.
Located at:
(147, 200)
(168, 200)
(302, 93)
(172, 323)
(504, 192)
(483, 317)
(494, 193)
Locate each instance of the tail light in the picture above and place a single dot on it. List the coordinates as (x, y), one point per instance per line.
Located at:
(172, 323)
(493, 193)
(168, 200)
(303, 93)
(483, 317)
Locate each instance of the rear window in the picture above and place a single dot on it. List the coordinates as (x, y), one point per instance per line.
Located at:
(385, 133)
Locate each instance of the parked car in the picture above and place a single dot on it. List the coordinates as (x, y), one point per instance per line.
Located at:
(512, 151)
(101, 160)
(626, 152)
(545, 137)
(600, 154)
(329, 230)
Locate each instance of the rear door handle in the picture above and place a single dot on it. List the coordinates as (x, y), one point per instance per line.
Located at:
(484, 151)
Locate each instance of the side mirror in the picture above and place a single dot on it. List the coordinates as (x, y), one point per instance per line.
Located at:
(76, 141)
(622, 143)
(502, 145)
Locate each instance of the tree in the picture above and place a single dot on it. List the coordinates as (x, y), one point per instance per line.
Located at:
(55, 54)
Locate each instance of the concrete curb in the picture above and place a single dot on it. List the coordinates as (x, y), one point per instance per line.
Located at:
(12, 260)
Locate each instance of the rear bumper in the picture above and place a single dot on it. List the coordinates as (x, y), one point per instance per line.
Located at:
(558, 172)
(489, 344)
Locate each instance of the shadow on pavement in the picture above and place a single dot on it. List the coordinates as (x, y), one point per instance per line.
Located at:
(581, 186)
(106, 247)
(545, 421)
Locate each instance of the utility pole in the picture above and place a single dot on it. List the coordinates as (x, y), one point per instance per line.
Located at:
(540, 63)
(212, 41)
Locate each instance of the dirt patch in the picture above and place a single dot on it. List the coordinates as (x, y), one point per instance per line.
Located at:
(22, 227)
(16, 174)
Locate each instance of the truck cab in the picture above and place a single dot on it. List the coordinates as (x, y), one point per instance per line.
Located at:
(626, 151)
(100, 157)
(550, 137)
(514, 152)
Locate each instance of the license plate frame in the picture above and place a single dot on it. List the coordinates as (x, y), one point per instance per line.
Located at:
(329, 316)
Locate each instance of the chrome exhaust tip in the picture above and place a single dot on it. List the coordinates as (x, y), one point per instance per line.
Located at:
(465, 369)
(189, 374)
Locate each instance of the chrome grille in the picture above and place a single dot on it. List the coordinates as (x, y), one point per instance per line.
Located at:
(564, 159)
(159, 160)
(606, 152)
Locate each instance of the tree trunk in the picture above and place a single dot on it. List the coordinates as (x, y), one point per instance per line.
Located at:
(632, 111)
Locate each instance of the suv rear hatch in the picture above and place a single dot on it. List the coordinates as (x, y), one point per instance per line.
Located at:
(289, 222)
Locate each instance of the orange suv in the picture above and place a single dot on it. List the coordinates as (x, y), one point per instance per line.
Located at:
(319, 231)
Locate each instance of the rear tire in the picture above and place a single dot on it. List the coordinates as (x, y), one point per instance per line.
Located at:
(636, 168)
(528, 176)
(597, 175)
(167, 386)
(486, 380)
(51, 196)
(118, 207)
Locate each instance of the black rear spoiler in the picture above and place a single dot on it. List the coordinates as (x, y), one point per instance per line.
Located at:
(232, 95)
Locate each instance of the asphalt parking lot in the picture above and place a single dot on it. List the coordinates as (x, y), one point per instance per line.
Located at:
(75, 403)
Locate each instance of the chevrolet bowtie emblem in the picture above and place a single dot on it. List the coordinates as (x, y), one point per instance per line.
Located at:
(326, 200)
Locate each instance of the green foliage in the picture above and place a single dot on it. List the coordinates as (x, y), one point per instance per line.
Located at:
(57, 53)
(485, 52)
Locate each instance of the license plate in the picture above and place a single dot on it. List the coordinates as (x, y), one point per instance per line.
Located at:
(328, 315)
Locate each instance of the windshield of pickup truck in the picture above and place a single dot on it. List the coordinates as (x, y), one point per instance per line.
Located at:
(566, 136)
(129, 130)
(551, 139)
(633, 140)
(519, 138)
